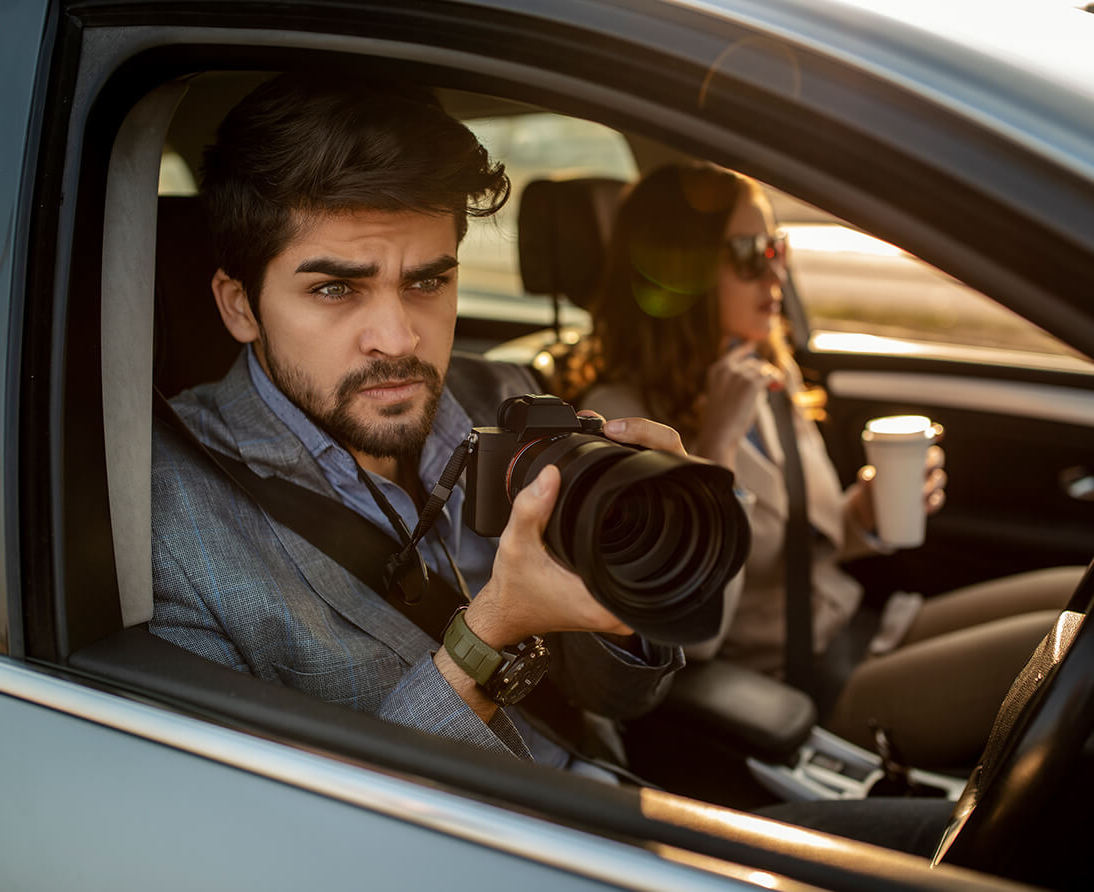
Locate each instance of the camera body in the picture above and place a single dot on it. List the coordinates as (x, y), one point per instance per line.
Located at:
(654, 536)
(522, 421)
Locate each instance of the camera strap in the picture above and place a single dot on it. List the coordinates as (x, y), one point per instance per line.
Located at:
(341, 533)
(407, 559)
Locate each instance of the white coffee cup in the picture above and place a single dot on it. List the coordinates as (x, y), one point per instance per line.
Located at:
(896, 446)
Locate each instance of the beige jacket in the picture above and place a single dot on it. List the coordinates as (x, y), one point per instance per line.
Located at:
(754, 629)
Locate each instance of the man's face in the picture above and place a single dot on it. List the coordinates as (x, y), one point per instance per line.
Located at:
(357, 316)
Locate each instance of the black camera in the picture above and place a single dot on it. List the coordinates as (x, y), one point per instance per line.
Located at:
(654, 536)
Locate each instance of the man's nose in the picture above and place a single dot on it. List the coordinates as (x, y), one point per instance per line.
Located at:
(386, 328)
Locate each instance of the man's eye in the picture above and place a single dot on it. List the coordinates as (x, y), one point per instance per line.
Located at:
(332, 289)
(428, 286)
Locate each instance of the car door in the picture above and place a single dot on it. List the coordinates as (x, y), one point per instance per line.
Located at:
(128, 763)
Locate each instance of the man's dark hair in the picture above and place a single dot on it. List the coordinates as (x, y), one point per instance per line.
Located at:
(301, 143)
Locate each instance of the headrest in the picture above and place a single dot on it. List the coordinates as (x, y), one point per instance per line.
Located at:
(564, 229)
(191, 343)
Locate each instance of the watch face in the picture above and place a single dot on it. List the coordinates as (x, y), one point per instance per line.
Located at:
(513, 682)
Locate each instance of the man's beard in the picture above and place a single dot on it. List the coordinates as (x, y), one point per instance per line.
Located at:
(400, 437)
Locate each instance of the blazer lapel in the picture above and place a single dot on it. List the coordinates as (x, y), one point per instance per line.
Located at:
(764, 473)
(269, 448)
(824, 495)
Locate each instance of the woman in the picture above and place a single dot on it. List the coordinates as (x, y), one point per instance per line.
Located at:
(688, 331)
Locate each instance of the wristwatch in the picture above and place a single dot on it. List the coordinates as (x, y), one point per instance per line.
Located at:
(507, 676)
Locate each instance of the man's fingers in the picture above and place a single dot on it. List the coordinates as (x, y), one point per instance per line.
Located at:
(533, 504)
(643, 432)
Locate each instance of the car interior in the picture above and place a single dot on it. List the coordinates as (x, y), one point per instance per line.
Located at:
(135, 311)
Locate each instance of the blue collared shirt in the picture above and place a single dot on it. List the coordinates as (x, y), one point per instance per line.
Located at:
(473, 554)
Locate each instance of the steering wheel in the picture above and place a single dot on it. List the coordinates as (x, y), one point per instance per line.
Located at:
(1026, 812)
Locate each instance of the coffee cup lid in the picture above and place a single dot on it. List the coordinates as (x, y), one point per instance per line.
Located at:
(898, 427)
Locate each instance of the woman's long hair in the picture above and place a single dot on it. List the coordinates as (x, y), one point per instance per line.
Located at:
(656, 324)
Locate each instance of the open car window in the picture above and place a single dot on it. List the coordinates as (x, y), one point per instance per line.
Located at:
(863, 294)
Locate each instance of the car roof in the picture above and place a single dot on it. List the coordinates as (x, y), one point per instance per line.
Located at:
(1021, 69)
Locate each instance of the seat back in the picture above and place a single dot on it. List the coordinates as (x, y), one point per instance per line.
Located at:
(191, 344)
(563, 232)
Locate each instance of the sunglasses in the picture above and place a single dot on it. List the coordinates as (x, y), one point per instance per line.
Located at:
(753, 256)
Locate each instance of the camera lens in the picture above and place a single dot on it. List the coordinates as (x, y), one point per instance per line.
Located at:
(655, 536)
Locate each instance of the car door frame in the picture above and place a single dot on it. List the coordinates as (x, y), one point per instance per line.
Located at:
(63, 485)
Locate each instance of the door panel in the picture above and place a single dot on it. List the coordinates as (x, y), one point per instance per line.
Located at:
(1013, 446)
(98, 808)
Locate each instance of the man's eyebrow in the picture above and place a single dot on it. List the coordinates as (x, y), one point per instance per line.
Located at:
(338, 269)
(430, 269)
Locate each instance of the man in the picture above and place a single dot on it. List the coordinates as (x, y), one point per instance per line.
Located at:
(336, 214)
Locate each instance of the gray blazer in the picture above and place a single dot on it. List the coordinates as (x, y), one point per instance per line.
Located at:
(236, 587)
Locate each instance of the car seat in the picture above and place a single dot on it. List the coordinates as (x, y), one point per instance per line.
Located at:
(563, 234)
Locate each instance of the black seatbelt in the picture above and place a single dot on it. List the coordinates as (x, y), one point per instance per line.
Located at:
(800, 663)
(424, 598)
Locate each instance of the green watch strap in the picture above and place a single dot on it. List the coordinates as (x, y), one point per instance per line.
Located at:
(468, 651)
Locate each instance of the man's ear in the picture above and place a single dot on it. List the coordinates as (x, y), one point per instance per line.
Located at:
(234, 307)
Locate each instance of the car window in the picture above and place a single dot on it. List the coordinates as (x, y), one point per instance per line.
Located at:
(862, 294)
(538, 145)
(176, 178)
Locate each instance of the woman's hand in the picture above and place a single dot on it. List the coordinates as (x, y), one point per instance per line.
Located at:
(733, 386)
(861, 498)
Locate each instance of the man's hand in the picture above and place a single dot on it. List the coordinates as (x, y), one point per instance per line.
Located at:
(637, 431)
(642, 432)
(531, 593)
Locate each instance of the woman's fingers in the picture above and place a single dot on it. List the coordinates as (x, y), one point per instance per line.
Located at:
(744, 366)
(936, 458)
(934, 490)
